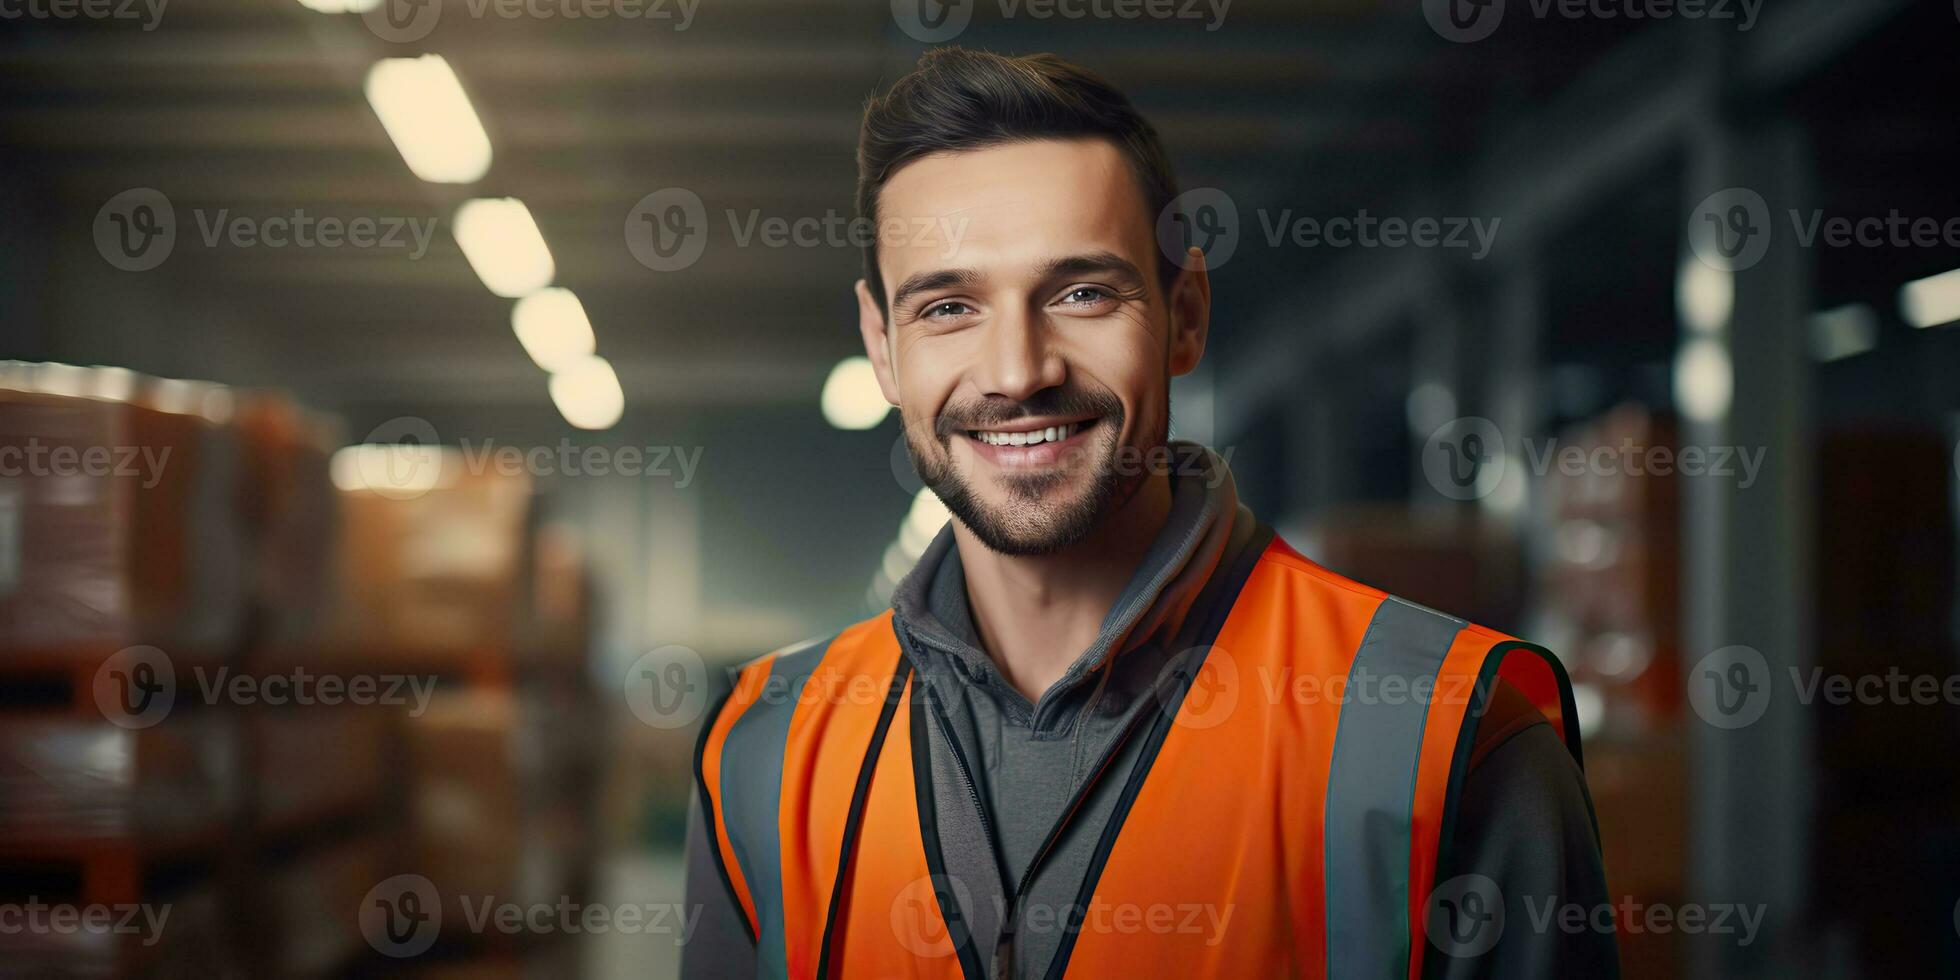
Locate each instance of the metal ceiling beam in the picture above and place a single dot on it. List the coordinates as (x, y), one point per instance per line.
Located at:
(1600, 131)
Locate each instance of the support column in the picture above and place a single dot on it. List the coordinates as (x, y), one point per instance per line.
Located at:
(1742, 380)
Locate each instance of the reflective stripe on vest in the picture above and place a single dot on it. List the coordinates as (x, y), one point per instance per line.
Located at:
(1293, 796)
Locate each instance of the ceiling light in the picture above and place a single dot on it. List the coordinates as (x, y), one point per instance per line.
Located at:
(927, 515)
(502, 243)
(1843, 332)
(851, 396)
(340, 6)
(552, 326)
(1704, 380)
(587, 393)
(1704, 296)
(424, 110)
(397, 471)
(1931, 301)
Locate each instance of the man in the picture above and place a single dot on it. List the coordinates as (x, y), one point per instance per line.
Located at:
(1111, 724)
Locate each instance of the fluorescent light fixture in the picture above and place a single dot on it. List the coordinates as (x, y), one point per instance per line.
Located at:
(397, 471)
(1704, 380)
(913, 540)
(1704, 296)
(1931, 301)
(551, 325)
(1428, 406)
(896, 562)
(1843, 332)
(501, 240)
(340, 6)
(851, 396)
(587, 393)
(424, 110)
(927, 516)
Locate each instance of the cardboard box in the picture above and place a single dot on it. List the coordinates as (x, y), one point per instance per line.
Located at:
(75, 780)
(488, 815)
(290, 511)
(117, 527)
(429, 574)
(317, 762)
(192, 942)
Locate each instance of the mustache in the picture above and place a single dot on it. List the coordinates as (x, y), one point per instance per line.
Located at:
(991, 411)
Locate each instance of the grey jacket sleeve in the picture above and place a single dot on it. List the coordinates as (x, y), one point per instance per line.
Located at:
(1523, 840)
(719, 946)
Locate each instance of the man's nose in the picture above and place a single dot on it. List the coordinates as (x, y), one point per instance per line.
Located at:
(1018, 360)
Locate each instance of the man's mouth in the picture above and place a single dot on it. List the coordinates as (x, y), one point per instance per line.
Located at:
(1029, 442)
(1029, 437)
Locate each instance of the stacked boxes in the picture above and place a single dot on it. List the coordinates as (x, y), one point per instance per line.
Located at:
(429, 566)
(291, 514)
(116, 527)
(450, 575)
(122, 571)
(162, 541)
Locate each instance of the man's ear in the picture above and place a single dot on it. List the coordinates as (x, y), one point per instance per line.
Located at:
(877, 342)
(1190, 308)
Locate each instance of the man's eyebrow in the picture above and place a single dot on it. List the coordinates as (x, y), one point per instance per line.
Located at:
(1091, 262)
(920, 282)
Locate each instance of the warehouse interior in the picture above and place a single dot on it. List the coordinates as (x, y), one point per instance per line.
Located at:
(408, 561)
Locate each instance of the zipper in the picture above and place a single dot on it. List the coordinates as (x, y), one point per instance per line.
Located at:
(967, 780)
(1002, 965)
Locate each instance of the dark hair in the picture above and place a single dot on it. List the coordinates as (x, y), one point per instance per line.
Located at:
(957, 99)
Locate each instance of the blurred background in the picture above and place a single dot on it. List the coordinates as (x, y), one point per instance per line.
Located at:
(410, 403)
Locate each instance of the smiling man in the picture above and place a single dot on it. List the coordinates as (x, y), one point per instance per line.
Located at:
(1112, 725)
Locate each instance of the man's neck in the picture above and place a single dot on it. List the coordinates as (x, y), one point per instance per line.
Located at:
(1036, 614)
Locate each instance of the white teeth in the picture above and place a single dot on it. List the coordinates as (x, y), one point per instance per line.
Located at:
(1053, 433)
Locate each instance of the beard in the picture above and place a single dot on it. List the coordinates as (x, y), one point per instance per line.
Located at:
(1040, 515)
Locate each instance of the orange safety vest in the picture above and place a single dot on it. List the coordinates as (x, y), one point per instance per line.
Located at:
(1302, 772)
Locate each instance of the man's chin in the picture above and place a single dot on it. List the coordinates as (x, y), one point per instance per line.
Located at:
(1026, 514)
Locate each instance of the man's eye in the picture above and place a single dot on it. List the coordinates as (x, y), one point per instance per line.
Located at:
(947, 308)
(1085, 294)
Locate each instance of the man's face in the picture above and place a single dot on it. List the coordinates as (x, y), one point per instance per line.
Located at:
(1030, 344)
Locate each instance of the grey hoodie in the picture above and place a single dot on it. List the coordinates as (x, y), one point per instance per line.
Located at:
(1004, 770)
